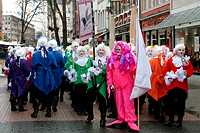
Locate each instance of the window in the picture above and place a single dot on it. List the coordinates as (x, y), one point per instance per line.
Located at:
(5, 28)
(9, 23)
(5, 23)
(8, 34)
(160, 1)
(68, 22)
(5, 18)
(8, 18)
(152, 3)
(68, 8)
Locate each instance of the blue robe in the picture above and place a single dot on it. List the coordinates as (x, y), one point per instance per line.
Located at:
(44, 68)
(18, 76)
(58, 71)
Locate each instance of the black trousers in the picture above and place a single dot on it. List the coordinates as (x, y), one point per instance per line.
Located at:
(93, 95)
(79, 96)
(179, 96)
(38, 96)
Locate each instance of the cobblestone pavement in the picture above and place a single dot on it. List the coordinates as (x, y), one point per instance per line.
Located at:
(66, 120)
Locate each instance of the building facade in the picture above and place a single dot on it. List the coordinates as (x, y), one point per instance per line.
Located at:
(185, 24)
(1, 20)
(153, 12)
(12, 30)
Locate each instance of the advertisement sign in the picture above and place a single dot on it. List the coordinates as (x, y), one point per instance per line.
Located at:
(85, 20)
(196, 44)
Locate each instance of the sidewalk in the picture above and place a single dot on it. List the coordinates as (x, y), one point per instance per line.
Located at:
(193, 101)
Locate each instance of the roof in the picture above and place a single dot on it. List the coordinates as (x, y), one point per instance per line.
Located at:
(179, 18)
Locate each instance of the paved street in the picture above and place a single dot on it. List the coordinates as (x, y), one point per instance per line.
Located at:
(66, 120)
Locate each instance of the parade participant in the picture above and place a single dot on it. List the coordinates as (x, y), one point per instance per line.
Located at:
(176, 71)
(64, 84)
(121, 67)
(78, 75)
(97, 85)
(149, 51)
(8, 61)
(43, 63)
(133, 51)
(165, 50)
(69, 65)
(158, 91)
(169, 55)
(19, 70)
(91, 53)
(87, 47)
(57, 72)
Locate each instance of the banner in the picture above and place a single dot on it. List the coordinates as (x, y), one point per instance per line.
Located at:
(85, 20)
(143, 70)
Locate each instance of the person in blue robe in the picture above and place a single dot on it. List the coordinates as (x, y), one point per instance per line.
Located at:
(43, 63)
(57, 72)
(19, 70)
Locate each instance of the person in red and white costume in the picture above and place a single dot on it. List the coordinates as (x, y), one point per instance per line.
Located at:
(176, 71)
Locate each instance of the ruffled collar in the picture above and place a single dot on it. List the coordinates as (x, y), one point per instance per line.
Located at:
(81, 61)
(177, 61)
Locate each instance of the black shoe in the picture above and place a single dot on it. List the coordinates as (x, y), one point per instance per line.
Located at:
(169, 122)
(112, 115)
(22, 109)
(48, 114)
(89, 119)
(122, 125)
(79, 113)
(178, 124)
(54, 109)
(14, 109)
(102, 123)
(131, 130)
(34, 115)
(42, 108)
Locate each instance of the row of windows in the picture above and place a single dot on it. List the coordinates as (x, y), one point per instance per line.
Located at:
(6, 18)
(6, 23)
(150, 3)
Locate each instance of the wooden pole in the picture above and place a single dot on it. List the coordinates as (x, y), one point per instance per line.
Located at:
(138, 112)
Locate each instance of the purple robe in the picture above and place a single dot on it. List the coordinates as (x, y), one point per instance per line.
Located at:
(18, 73)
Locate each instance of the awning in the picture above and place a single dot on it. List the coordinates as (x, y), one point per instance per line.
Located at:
(187, 16)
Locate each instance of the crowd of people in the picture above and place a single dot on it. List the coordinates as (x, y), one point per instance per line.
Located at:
(104, 76)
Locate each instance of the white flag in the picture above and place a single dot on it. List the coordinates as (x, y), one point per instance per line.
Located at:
(143, 71)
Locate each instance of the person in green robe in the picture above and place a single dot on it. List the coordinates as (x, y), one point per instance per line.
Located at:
(79, 76)
(97, 86)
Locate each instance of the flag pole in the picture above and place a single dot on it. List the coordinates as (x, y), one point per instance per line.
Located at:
(138, 112)
(93, 31)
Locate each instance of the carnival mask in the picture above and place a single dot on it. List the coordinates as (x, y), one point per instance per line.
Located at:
(118, 50)
(101, 52)
(75, 47)
(180, 52)
(81, 53)
(150, 52)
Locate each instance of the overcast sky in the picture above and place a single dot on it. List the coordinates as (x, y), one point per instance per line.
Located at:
(9, 5)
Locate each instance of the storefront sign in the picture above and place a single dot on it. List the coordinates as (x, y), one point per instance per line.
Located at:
(177, 41)
(196, 44)
(182, 40)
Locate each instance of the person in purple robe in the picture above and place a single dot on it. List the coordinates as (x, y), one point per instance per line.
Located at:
(19, 71)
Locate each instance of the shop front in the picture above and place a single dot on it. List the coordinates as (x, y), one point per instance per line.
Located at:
(185, 28)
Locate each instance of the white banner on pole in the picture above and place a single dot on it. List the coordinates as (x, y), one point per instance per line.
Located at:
(85, 20)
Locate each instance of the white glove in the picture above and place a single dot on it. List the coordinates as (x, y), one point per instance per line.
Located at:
(180, 74)
(98, 71)
(95, 63)
(169, 77)
(84, 78)
(66, 73)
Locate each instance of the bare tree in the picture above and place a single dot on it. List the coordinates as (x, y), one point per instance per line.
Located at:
(63, 18)
(29, 9)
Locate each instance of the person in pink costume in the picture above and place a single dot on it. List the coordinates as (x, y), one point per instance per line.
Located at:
(121, 67)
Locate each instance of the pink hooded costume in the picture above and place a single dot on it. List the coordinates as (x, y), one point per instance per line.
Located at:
(120, 71)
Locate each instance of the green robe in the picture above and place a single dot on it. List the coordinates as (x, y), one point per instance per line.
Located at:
(69, 64)
(81, 70)
(99, 79)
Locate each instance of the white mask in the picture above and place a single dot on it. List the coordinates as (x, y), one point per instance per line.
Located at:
(118, 50)
(180, 52)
